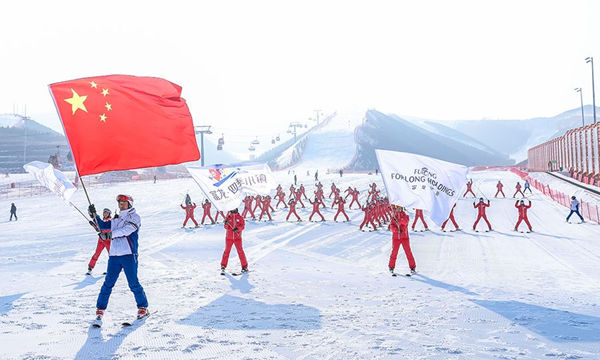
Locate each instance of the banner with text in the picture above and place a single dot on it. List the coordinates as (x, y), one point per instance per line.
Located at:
(226, 186)
(421, 182)
(51, 178)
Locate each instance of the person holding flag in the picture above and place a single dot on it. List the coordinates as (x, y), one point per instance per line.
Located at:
(399, 228)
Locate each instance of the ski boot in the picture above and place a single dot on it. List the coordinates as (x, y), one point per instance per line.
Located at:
(89, 272)
(413, 271)
(244, 270)
(98, 320)
(142, 313)
(222, 270)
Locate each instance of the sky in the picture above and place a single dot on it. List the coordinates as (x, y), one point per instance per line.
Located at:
(253, 66)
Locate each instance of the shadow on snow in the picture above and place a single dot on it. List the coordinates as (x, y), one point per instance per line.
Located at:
(6, 302)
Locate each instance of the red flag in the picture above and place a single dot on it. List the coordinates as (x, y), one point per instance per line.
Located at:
(120, 122)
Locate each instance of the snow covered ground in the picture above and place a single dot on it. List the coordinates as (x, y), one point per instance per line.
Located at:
(316, 290)
(567, 188)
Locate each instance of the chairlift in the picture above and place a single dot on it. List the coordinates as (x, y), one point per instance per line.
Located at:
(251, 148)
(277, 138)
(222, 140)
(273, 141)
(255, 141)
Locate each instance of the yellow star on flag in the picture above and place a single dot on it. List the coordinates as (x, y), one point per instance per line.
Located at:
(77, 102)
(108, 106)
(103, 118)
(104, 92)
(94, 85)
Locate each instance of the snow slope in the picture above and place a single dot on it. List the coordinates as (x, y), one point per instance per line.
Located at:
(316, 290)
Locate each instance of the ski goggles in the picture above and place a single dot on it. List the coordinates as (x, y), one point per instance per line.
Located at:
(124, 198)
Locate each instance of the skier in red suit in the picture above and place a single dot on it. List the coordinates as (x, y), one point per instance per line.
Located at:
(355, 194)
(419, 215)
(281, 199)
(481, 213)
(315, 210)
(340, 210)
(336, 197)
(101, 243)
(348, 192)
(333, 189)
(520, 205)
(302, 191)
(518, 190)
(189, 213)
(469, 190)
(206, 206)
(248, 207)
(451, 218)
(292, 204)
(292, 191)
(499, 186)
(368, 219)
(258, 203)
(399, 228)
(265, 205)
(234, 224)
(299, 198)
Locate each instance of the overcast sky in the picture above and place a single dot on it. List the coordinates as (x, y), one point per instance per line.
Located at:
(259, 64)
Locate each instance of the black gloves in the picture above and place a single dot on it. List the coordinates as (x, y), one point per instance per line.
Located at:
(116, 216)
(235, 230)
(105, 235)
(226, 222)
(92, 211)
(93, 224)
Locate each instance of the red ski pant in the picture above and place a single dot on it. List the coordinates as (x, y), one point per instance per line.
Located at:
(340, 212)
(479, 217)
(523, 218)
(240, 251)
(99, 247)
(246, 211)
(217, 216)
(451, 218)
(204, 217)
(316, 213)
(300, 201)
(352, 202)
(500, 192)
(189, 218)
(518, 192)
(406, 246)
(265, 212)
(281, 201)
(417, 218)
(290, 213)
(469, 191)
(368, 220)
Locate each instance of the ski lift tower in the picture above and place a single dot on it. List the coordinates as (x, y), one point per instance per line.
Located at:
(292, 128)
(202, 129)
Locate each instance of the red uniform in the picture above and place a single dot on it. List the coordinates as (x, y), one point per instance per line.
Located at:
(217, 216)
(281, 196)
(302, 191)
(234, 224)
(100, 246)
(341, 203)
(469, 190)
(522, 214)
(266, 204)
(248, 207)
(481, 213)
(499, 186)
(206, 206)
(451, 218)
(368, 209)
(399, 227)
(299, 198)
(518, 191)
(333, 189)
(189, 213)
(292, 204)
(354, 194)
(419, 215)
(315, 210)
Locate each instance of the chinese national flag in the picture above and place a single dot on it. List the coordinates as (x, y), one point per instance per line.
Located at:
(120, 122)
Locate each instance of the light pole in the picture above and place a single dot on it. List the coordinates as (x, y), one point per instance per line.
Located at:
(581, 98)
(202, 129)
(591, 60)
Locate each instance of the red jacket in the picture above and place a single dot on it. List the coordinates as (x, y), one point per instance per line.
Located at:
(522, 209)
(233, 221)
(481, 207)
(399, 225)
(189, 210)
(206, 206)
(499, 186)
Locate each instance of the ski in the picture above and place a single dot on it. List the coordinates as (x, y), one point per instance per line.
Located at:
(97, 323)
(240, 273)
(135, 321)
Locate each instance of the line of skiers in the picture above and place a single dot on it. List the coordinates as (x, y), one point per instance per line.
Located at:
(499, 187)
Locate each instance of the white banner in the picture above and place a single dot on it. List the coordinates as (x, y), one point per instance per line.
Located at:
(421, 182)
(51, 178)
(226, 186)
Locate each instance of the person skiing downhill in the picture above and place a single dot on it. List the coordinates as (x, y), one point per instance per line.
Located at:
(399, 228)
(315, 210)
(123, 234)
(481, 213)
(518, 190)
(206, 206)
(574, 209)
(13, 212)
(102, 243)
(469, 190)
(419, 215)
(499, 186)
(451, 218)
(189, 213)
(522, 208)
(234, 224)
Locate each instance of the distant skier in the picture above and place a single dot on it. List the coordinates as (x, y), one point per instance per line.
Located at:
(469, 189)
(189, 213)
(299, 198)
(341, 210)
(368, 209)
(527, 187)
(354, 194)
(219, 212)
(399, 228)
(317, 175)
(315, 210)
(419, 215)
(295, 179)
(123, 252)
(102, 243)
(292, 204)
(575, 209)
(155, 179)
(13, 212)
(522, 208)
(206, 207)
(451, 218)
(333, 189)
(518, 190)
(499, 186)
(481, 213)
(234, 224)
(247, 207)
(188, 199)
(281, 199)
(341, 172)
